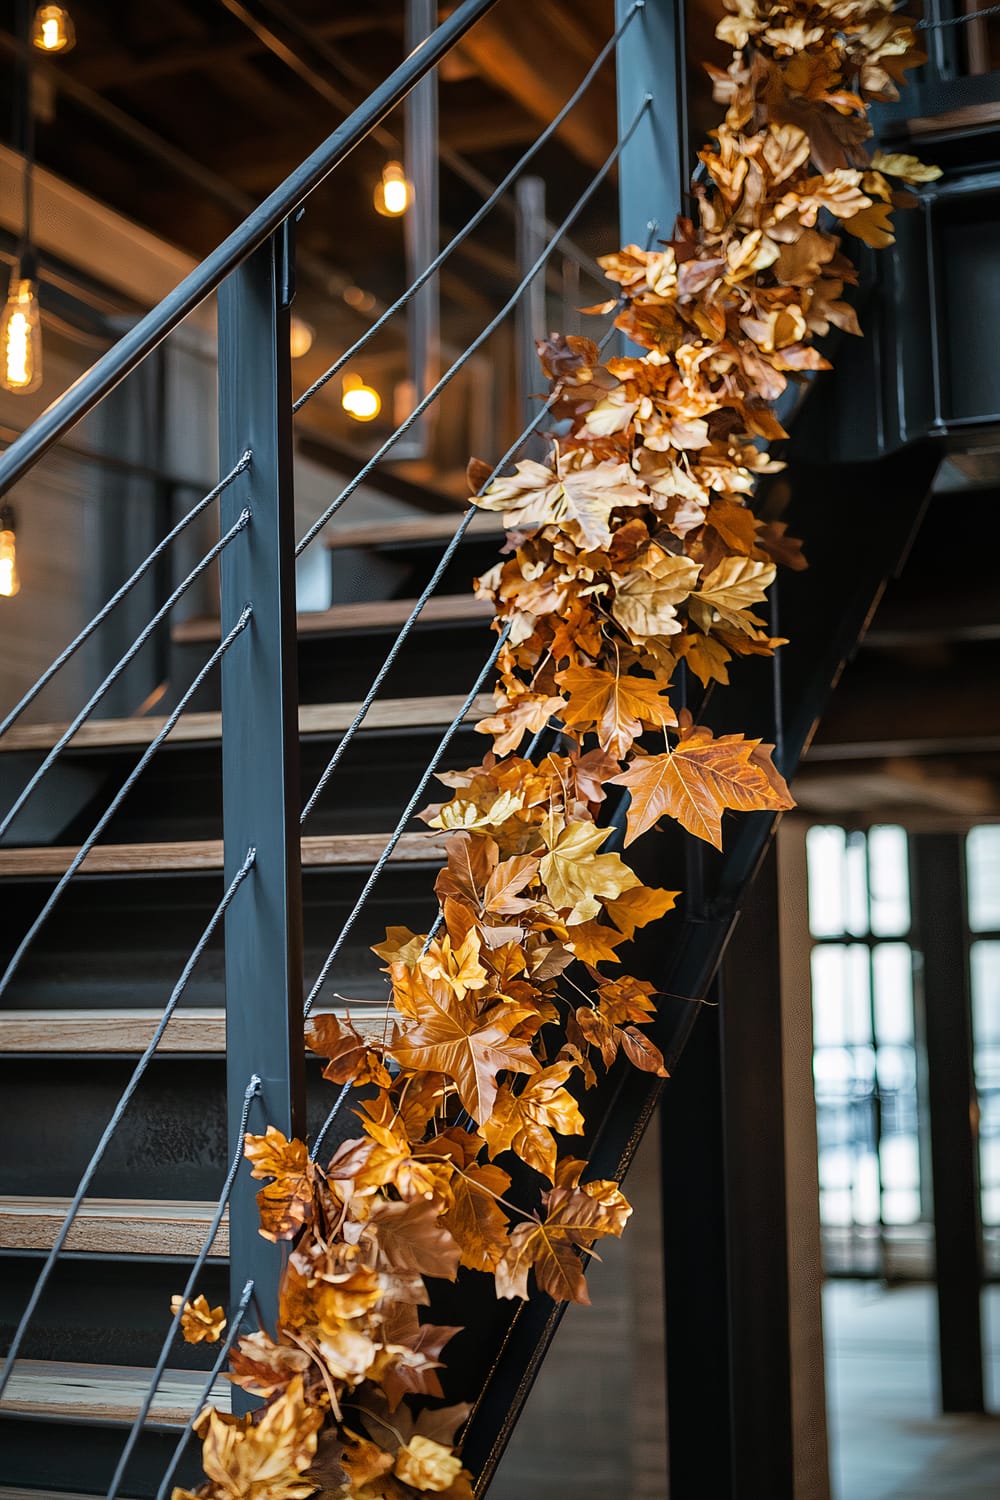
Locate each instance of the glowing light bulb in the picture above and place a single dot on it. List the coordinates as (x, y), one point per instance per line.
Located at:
(301, 337)
(53, 29)
(393, 193)
(360, 401)
(21, 336)
(9, 581)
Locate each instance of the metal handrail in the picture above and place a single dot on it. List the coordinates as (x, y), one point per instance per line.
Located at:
(151, 330)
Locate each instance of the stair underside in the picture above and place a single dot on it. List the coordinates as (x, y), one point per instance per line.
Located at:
(107, 1393)
(420, 529)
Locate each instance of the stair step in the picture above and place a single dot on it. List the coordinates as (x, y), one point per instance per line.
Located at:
(374, 614)
(112, 1226)
(201, 728)
(130, 1031)
(106, 1393)
(318, 852)
(420, 529)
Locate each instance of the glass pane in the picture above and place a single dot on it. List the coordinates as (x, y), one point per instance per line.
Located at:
(892, 970)
(985, 960)
(889, 882)
(841, 996)
(856, 885)
(983, 854)
(825, 865)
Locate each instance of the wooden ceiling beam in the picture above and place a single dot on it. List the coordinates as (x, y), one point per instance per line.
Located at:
(521, 54)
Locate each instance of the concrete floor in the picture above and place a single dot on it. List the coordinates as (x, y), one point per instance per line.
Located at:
(886, 1440)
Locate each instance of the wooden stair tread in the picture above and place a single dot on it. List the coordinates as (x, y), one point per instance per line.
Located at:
(106, 1393)
(197, 728)
(131, 1030)
(112, 1226)
(365, 614)
(319, 851)
(418, 529)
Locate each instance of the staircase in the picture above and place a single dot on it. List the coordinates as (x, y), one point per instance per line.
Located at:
(86, 999)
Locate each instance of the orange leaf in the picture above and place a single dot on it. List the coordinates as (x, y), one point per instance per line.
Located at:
(451, 1038)
(698, 781)
(618, 704)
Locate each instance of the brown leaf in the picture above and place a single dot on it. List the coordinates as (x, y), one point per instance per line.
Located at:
(476, 1221)
(616, 704)
(286, 1203)
(412, 1237)
(524, 1122)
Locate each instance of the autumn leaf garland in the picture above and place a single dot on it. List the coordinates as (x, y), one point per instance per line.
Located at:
(631, 549)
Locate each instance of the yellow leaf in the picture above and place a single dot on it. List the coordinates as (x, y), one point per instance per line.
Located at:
(427, 1465)
(575, 875)
(646, 598)
(908, 168)
(199, 1322)
(524, 1122)
(728, 591)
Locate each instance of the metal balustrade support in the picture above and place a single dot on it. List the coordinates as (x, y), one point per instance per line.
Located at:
(260, 750)
(531, 319)
(650, 60)
(421, 225)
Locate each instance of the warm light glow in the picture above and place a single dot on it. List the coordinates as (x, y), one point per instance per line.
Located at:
(360, 401)
(9, 581)
(301, 339)
(393, 194)
(21, 337)
(53, 29)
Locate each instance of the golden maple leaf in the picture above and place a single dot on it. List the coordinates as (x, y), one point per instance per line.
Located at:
(524, 1122)
(199, 1322)
(286, 1203)
(266, 1460)
(576, 877)
(452, 1038)
(699, 780)
(646, 598)
(475, 1220)
(575, 1217)
(617, 704)
(578, 499)
(427, 1465)
(728, 591)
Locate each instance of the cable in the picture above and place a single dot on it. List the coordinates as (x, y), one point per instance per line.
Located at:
(973, 15)
(235, 1324)
(116, 1118)
(251, 1092)
(477, 342)
(477, 218)
(116, 598)
(407, 813)
(119, 668)
(317, 1145)
(120, 796)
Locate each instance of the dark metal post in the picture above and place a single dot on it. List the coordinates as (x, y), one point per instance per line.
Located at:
(938, 872)
(531, 241)
(650, 60)
(729, 1390)
(422, 220)
(261, 801)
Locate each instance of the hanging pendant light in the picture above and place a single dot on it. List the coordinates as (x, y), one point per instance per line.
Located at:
(20, 321)
(393, 192)
(360, 401)
(9, 581)
(53, 29)
(21, 330)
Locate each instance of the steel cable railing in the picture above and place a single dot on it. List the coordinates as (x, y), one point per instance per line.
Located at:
(405, 817)
(135, 1432)
(117, 597)
(232, 1334)
(480, 339)
(116, 671)
(120, 795)
(429, 588)
(117, 1116)
(477, 218)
